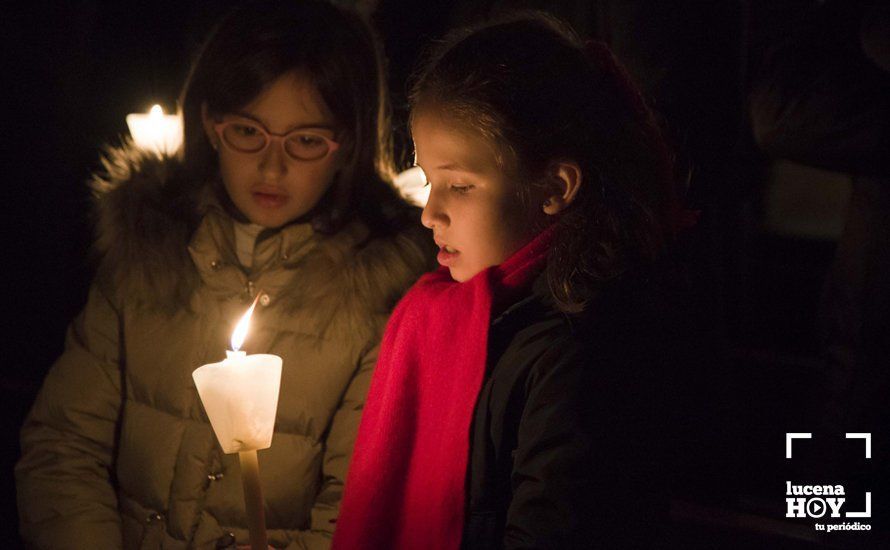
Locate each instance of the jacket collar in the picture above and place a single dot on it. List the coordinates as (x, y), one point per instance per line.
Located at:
(212, 249)
(538, 295)
(159, 233)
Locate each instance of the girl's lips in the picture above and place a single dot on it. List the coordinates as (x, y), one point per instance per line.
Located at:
(446, 258)
(268, 200)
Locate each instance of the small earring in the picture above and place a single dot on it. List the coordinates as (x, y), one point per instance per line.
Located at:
(546, 203)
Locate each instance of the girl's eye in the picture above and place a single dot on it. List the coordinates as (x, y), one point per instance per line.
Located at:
(245, 130)
(461, 189)
(308, 140)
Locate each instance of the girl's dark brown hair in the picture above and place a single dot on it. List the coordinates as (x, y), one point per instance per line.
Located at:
(260, 41)
(531, 87)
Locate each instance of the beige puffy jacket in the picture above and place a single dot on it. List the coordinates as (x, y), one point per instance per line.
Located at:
(117, 450)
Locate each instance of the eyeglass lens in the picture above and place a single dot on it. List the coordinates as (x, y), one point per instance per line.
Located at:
(250, 138)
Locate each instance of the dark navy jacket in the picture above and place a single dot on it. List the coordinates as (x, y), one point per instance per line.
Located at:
(569, 432)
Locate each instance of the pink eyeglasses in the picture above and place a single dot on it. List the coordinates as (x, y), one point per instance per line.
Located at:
(248, 136)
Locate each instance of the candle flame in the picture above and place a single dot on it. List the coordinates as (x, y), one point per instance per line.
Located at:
(156, 111)
(240, 332)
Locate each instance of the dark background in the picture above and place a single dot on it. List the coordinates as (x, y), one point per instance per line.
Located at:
(759, 255)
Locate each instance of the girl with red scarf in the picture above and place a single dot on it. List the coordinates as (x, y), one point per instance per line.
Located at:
(516, 401)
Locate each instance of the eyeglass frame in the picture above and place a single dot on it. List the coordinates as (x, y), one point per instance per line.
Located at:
(219, 128)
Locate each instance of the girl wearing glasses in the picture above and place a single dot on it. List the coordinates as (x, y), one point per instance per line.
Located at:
(518, 399)
(281, 193)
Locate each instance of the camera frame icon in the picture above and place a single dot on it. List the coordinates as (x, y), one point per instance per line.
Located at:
(789, 440)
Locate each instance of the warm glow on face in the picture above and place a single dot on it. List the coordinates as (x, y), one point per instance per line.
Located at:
(240, 332)
(472, 206)
(270, 187)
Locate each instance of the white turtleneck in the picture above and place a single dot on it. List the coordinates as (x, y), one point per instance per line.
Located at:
(245, 241)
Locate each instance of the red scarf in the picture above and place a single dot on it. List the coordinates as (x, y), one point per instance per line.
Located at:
(405, 488)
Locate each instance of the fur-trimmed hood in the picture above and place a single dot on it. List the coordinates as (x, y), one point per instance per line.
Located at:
(121, 401)
(148, 214)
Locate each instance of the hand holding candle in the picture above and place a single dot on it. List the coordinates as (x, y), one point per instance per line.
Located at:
(240, 395)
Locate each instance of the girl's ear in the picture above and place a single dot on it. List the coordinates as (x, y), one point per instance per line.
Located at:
(207, 123)
(566, 177)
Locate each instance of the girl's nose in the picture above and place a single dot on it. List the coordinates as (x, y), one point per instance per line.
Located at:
(433, 214)
(273, 161)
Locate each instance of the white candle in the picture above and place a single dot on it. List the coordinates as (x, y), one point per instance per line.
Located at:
(156, 131)
(240, 395)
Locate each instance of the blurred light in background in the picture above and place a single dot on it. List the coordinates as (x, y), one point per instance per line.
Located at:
(156, 131)
(412, 184)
